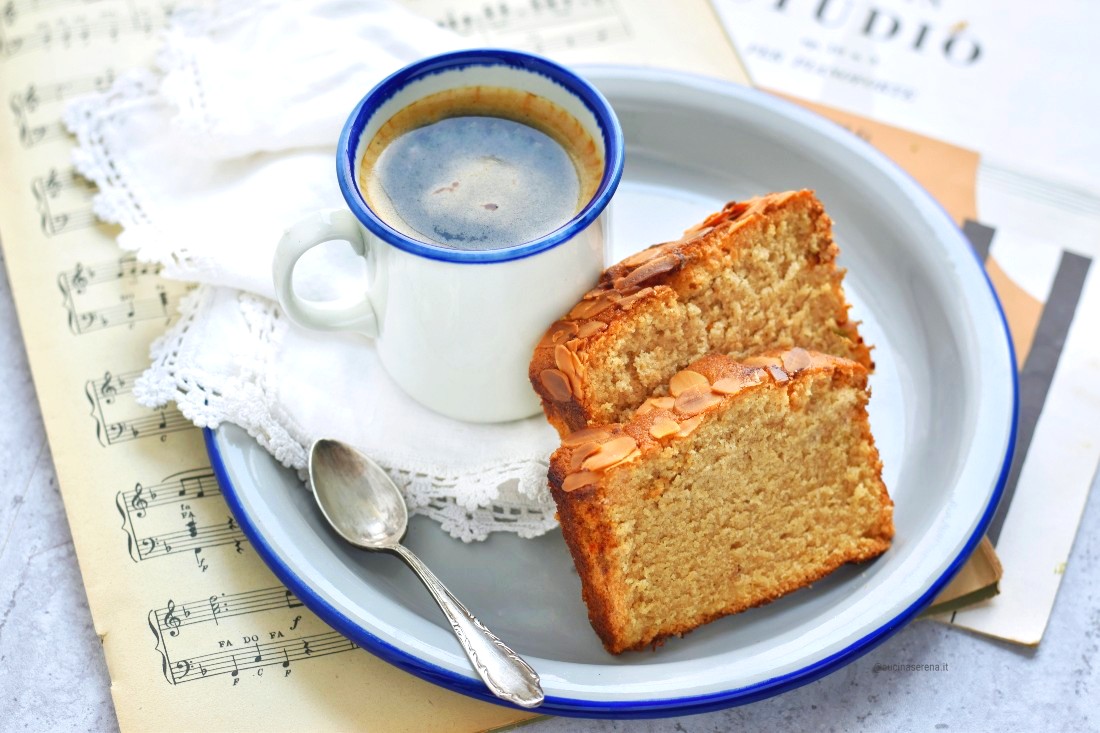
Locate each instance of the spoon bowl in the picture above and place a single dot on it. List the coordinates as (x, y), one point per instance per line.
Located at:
(357, 497)
(363, 505)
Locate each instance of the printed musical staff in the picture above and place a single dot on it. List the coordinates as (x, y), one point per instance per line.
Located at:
(172, 618)
(222, 635)
(63, 200)
(124, 295)
(37, 108)
(537, 25)
(27, 27)
(119, 418)
(185, 513)
(280, 653)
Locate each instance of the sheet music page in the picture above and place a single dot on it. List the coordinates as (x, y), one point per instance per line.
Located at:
(197, 633)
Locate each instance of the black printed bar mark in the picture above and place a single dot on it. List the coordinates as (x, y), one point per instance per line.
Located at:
(1038, 371)
(980, 236)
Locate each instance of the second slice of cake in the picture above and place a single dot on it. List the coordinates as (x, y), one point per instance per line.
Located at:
(748, 480)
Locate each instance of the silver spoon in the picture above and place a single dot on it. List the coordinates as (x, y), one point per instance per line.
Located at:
(364, 506)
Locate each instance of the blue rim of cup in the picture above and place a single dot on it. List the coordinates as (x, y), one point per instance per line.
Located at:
(346, 162)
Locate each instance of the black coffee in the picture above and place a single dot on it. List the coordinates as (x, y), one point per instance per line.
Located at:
(476, 181)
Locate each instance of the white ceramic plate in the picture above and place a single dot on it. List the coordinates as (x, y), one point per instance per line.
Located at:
(943, 414)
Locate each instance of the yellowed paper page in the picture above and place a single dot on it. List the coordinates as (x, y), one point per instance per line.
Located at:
(685, 35)
(197, 633)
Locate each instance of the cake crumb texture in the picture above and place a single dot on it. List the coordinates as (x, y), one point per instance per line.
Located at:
(776, 483)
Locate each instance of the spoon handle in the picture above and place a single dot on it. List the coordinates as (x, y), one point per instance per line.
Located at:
(508, 676)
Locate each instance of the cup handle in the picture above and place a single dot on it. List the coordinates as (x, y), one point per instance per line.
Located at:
(324, 226)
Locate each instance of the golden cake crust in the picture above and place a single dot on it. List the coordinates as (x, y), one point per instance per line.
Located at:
(587, 458)
(660, 276)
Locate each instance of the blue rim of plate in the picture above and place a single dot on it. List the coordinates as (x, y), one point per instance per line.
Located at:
(666, 707)
(586, 93)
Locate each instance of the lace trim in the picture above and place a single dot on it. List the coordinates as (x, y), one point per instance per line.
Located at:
(509, 497)
(121, 199)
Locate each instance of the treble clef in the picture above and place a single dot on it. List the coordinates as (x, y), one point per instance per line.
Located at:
(79, 277)
(139, 503)
(107, 387)
(172, 621)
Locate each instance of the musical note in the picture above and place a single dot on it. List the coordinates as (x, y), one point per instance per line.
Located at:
(63, 201)
(37, 108)
(79, 30)
(94, 298)
(216, 609)
(540, 25)
(119, 420)
(151, 516)
(280, 653)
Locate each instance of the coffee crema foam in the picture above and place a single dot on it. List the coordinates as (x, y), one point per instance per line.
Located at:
(478, 168)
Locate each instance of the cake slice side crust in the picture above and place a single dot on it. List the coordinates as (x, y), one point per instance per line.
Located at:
(753, 480)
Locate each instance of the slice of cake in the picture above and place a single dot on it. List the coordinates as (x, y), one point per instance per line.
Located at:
(757, 275)
(748, 480)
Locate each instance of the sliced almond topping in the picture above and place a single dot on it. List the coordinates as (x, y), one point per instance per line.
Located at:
(695, 400)
(582, 451)
(762, 361)
(558, 333)
(556, 384)
(745, 377)
(652, 269)
(628, 301)
(796, 360)
(684, 380)
(644, 256)
(591, 328)
(687, 427)
(611, 452)
(728, 385)
(664, 403)
(664, 426)
(579, 480)
(585, 435)
(645, 407)
(562, 358)
(778, 375)
(593, 307)
(570, 364)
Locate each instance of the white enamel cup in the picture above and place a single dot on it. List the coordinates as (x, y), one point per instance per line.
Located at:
(457, 328)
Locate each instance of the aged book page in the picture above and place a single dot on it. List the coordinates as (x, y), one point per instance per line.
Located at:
(957, 71)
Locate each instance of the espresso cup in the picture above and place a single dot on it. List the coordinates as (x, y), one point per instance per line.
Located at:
(455, 327)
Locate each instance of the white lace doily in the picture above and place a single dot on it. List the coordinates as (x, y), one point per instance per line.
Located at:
(204, 185)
